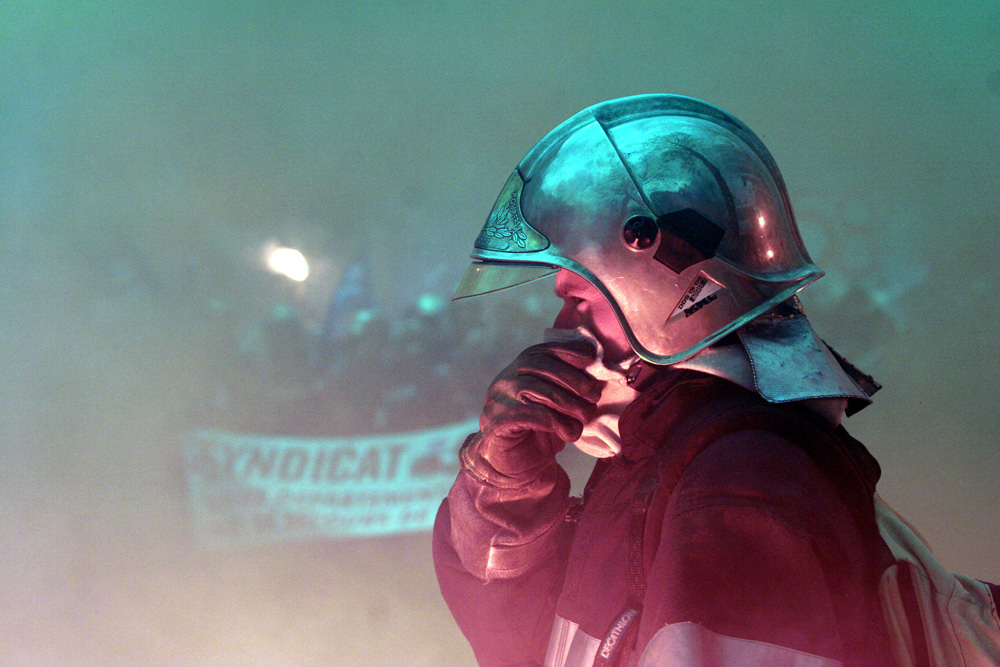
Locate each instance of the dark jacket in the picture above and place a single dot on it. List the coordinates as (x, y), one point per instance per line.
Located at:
(757, 525)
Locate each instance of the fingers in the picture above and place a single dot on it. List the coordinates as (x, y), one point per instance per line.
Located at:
(508, 426)
(579, 353)
(530, 389)
(513, 413)
(536, 404)
(525, 454)
(543, 391)
(561, 364)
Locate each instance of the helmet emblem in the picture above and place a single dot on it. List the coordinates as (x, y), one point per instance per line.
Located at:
(504, 226)
(506, 229)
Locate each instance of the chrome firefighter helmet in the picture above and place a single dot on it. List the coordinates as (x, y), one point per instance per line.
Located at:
(671, 207)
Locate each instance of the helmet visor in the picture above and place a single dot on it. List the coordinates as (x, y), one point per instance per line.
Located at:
(486, 277)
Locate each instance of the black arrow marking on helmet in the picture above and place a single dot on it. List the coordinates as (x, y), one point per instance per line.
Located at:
(727, 194)
(692, 237)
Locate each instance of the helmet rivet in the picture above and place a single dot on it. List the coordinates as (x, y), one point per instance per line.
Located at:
(640, 232)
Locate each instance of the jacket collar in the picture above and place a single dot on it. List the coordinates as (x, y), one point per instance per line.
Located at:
(671, 395)
(667, 396)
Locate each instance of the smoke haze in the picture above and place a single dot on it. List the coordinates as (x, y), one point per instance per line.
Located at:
(151, 152)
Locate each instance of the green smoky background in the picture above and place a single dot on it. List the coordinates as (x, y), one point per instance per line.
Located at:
(150, 153)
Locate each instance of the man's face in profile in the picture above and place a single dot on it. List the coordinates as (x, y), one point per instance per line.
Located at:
(584, 306)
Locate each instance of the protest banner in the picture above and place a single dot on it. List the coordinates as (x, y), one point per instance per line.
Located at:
(247, 489)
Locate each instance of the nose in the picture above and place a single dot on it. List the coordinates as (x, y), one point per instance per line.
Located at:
(570, 315)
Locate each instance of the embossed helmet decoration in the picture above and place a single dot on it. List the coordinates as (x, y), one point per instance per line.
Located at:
(669, 206)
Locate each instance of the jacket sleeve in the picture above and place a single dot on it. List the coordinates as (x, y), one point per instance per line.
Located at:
(760, 563)
(499, 555)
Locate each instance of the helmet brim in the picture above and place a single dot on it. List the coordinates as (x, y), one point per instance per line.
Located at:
(486, 277)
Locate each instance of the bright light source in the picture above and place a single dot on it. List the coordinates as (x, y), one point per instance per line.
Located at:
(288, 262)
(761, 221)
(770, 254)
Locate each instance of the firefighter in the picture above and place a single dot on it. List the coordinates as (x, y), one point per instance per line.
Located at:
(728, 520)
